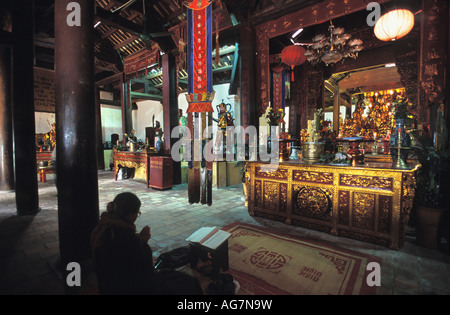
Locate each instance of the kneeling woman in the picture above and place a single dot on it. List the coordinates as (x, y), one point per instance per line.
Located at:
(123, 259)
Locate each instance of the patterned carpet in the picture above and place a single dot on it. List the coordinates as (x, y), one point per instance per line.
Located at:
(266, 262)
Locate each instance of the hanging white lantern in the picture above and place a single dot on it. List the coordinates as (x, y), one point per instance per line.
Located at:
(394, 25)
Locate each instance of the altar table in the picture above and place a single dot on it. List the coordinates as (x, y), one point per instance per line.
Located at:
(44, 156)
(140, 161)
(371, 202)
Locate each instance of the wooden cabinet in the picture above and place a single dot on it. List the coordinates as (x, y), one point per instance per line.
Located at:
(161, 172)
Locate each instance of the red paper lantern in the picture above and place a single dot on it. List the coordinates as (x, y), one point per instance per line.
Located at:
(293, 55)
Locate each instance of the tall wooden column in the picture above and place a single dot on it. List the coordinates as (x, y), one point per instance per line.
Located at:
(77, 180)
(248, 115)
(170, 108)
(98, 125)
(247, 77)
(127, 107)
(27, 197)
(6, 135)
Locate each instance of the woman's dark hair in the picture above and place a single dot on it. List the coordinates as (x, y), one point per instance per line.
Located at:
(124, 204)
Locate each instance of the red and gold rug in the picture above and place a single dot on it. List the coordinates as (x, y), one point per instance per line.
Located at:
(265, 262)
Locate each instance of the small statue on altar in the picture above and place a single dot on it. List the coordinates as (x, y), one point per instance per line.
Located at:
(225, 117)
(224, 120)
(159, 144)
(303, 136)
(132, 136)
(131, 140)
(357, 118)
(51, 137)
(358, 113)
(347, 128)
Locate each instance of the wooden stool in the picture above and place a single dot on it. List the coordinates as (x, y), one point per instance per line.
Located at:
(219, 256)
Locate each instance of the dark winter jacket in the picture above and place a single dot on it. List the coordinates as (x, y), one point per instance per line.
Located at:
(123, 262)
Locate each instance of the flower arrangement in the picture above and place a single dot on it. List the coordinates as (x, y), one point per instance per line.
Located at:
(275, 118)
(336, 158)
(402, 109)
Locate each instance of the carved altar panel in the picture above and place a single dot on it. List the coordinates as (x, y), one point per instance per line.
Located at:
(385, 213)
(313, 202)
(344, 207)
(271, 195)
(313, 177)
(257, 200)
(283, 197)
(363, 211)
(276, 174)
(362, 181)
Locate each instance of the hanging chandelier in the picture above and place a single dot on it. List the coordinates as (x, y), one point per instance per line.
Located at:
(333, 48)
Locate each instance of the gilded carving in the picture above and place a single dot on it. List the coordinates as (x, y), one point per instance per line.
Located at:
(312, 202)
(330, 7)
(407, 199)
(257, 192)
(431, 69)
(374, 182)
(344, 207)
(315, 13)
(363, 210)
(314, 177)
(283, 197)
(279, 173)
(346, 6)
(270, 195)
(286, 24)
(385, 213)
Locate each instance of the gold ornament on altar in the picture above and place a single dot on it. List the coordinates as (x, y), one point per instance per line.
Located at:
(51, 137)
(312, 149)
(373, 115)
(275, 118)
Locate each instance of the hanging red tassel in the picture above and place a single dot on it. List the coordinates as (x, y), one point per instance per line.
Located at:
(292, 73)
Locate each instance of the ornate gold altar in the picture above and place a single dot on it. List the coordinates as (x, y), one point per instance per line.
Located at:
(140, 161)
(370, 203)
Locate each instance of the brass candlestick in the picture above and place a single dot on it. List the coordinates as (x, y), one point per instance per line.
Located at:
(400, 164)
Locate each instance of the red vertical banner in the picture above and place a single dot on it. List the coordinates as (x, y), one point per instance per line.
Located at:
(278, 88)
(200, 96)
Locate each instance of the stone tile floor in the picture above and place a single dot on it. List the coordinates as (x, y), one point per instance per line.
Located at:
(29, 246)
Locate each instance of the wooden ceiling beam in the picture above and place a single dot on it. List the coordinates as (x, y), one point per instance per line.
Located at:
(112, 79)
(118, 22)
(126, 42)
